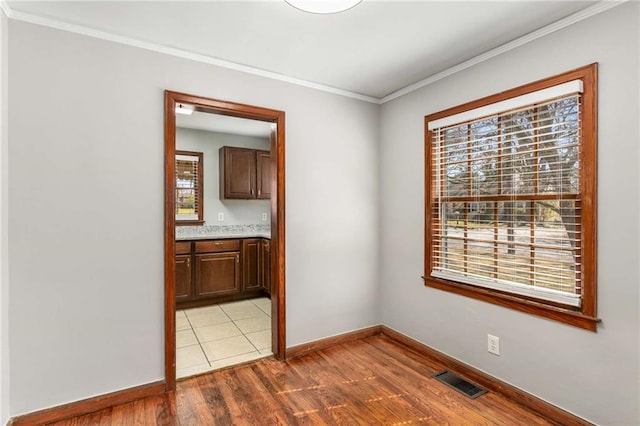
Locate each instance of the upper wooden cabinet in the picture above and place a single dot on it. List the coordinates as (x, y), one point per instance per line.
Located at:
(263, 175)
(245, 173)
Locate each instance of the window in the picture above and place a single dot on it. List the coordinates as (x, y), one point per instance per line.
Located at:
(189, 188)
(511, 198)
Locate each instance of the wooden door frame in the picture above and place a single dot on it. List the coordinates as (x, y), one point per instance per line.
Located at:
(277, 217)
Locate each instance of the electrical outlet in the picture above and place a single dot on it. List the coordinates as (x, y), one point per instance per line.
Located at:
(493, 344)
(220, 216)
(264, 216)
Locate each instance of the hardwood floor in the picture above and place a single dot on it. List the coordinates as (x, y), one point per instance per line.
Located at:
(372, 381)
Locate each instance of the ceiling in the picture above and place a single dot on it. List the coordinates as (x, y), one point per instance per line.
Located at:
(373, 50)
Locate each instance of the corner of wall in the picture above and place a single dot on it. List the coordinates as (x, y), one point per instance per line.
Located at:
(379, 263)
(4, 271)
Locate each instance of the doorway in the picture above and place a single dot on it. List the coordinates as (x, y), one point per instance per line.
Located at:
(275, 185)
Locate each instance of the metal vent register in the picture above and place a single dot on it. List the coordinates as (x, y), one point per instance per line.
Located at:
(461, 385)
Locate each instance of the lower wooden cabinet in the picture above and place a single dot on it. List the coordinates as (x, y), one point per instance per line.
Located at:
(256, 264)
(183, 277)
(183, 271)
(216, 271)
(217, 274)
(251, 263)
(265, 266)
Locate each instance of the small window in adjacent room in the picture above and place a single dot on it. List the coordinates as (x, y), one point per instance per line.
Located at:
(188, 188)
(511, 198)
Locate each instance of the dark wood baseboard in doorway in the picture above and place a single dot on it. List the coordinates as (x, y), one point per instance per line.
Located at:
(89, 405)
(533, 403)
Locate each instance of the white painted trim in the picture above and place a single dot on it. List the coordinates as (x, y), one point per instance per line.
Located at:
(539, 96)
(558, 25)
(184, 54)
(5, 8)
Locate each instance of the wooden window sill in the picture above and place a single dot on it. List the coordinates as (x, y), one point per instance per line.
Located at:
(530, 306)
(189, 222)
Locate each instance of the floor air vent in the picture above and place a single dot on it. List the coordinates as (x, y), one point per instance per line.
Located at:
(461, 385)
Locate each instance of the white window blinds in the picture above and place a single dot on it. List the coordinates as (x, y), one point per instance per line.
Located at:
(187, 187)
(505, 198)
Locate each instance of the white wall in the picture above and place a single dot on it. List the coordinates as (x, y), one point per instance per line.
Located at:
(236, 212)
(4, 240)
(86, 210)
(593, 375)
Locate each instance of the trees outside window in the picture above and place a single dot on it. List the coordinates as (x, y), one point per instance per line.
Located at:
(189, 203)
(510, 190)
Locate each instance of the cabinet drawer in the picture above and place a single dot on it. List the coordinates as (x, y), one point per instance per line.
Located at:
(217, 246)
(183, 247)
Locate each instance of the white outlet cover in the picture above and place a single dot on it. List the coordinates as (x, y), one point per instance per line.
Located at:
(264, 216)
(493, 344)
(220, 216)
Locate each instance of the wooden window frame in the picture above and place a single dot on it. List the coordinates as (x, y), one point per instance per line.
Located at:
(584, 316)
(199, 195)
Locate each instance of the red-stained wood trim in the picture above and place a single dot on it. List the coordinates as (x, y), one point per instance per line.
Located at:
(519, 303)
(431, 358)
(586, 316)
(191, 223)
(216, 106)
(317, 345)
(89, 405)
(535, 404)
(589, 183)
(169, 242)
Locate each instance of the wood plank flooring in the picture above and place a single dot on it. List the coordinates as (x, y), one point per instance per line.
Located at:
(372, 381)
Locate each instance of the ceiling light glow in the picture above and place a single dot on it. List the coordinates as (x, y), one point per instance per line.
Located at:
(184, 109)
(323, 6)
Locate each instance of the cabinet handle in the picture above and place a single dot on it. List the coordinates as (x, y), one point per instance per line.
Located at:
(188, 261)
(252, 191)
(237, 259)
(259, 192)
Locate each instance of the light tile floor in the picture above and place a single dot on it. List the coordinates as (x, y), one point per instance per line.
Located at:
(217, 336)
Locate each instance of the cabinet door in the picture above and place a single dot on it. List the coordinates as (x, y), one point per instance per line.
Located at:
(217, 274)
(250, 262)
(237, 173)
(263, 178)
(265, 265)
(183, 277)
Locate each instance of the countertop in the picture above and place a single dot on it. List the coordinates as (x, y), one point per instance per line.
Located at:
(213, 232)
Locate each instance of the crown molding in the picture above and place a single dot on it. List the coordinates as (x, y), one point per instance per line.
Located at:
(551, 28)
(599, 7)
(4, 7)
(180, 53)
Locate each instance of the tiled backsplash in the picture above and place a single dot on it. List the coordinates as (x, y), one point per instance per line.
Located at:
(187, 232)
